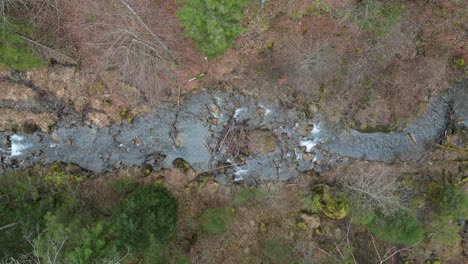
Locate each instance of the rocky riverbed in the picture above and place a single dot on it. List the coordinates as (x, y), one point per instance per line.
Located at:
(235, 137)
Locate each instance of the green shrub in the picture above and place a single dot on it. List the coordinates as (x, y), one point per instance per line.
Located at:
(215, 220)
(181, 259)
(156, 253)
(49, 210)
(378, 17)
(23, 202)
(443, 232)
(73, 240)
(15, 52)
(91, 244)
(212, 24)
(448, 200)
(123, 186)
(310, 203)
(277, 251)
(362, 215)
(248, 195)
(402, 227)
(148, 211)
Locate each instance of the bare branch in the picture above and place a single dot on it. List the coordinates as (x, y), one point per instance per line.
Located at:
(376, 250)
(372, 186)
(8, 226)
(330, 255)
(144, 25)
(51, 53)
(385, 257)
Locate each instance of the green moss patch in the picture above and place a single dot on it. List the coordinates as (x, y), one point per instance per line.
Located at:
(15, 52)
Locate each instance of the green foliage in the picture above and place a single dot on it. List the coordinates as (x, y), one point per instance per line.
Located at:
(23, 201)
(444, 232)
(123, 186)
(277, 251)
(92, 244)
(182, 260)
(14, 50)
(448, 200)
(378, 17)
(310, 203)
(212, 24)
(51, 240)
(402, 227)
(333, 205)
(459, 63)
(70, 241)
(148, 211)
(156, 253)
(50, 212)
(314, 8)
(60, 179)
(363, 215)
(248, 195)
(215, 220)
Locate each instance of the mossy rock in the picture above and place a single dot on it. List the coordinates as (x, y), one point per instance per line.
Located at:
(181, 164)
(458, 140)
(333, 205)
(203, 179)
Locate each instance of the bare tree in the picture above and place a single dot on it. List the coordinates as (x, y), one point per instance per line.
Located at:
(310, 64)
(122, 40)
(44, 14)
(372, 186)
(392, 251)
(128, 37)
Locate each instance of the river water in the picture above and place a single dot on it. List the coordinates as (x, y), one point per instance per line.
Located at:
(198, 130)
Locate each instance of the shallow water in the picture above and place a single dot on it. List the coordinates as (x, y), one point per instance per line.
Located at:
(196, 133)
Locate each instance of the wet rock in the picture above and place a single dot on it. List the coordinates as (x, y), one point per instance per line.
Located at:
(222, 178)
